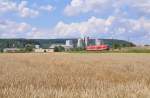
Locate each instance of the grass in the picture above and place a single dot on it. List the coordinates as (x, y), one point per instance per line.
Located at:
(69, 75)
(123, 50)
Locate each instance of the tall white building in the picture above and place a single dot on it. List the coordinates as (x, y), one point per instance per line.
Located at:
(86, 41)
(98, 42)
(69, 43)
(80, 43)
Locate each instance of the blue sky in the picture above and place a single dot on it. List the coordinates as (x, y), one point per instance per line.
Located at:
(120, 19)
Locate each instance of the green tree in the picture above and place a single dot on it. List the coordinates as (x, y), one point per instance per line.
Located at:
(116, 46)
(29, 47)
(1, 50)
(59, 49)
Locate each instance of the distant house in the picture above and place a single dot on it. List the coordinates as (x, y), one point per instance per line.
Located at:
(68, 46)
(11, 50)
(37, 46)
(41, 50)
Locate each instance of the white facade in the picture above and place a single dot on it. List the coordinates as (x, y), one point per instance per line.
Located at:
(67, 46)
(11, 49)
(40, 50)
(37, 46)
(56, 45)
(80, 43)
(69, 43)
(86, 40)
(98, 42)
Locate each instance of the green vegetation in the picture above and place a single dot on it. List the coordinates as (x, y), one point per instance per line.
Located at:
(117, 50)
(29, 48)
(45, 43)
(77, 49)
(59, 49)
(27, 45)
(136, 50)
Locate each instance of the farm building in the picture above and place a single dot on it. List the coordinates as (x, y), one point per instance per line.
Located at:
(68, 46)
(11, 50)
(40, 50)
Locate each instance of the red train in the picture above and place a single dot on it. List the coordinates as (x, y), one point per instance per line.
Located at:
(97, 47)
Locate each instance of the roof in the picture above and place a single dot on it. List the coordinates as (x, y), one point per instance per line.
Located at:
(11, 49)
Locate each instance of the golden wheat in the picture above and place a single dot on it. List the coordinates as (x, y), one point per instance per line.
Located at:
(62, 75)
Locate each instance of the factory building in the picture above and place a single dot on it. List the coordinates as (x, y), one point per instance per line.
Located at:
(80, 43)
(37, 46)
(86, 44)
(67, 46)
(11, 50)
(99, 46)
(86, 41)
(98, 42)
(41, 50)
(69, 43)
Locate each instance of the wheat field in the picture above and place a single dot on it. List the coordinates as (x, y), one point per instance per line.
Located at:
(68, 75)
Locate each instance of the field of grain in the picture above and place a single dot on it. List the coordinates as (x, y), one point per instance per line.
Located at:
(62, 75)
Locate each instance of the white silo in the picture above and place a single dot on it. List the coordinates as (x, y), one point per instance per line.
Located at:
(86, 41)
(69, 43)
(98, 42)
(80, 43)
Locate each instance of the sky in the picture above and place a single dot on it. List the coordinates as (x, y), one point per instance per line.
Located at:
(46, 19)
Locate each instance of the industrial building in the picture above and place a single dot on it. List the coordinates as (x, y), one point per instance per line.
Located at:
(41, 50)
(37, 46)
(69, 43)
(99, 46)
(86, 41)
(86, 44)
(80, 43)
(11, 50)
(98, 42)
(67, 46)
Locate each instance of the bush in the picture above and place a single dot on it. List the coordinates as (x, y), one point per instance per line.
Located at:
(29, 48)
(59, 49)
(1, 50)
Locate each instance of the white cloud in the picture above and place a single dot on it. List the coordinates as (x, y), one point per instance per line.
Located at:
(83, 6)
(113, 26)
(36, 33)
(24, 11)
(77, 7)
(13, 29)
(7, 6)
(22, 8)
(93, 25)
(48, 8)
(13, 26)
(142, 5)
